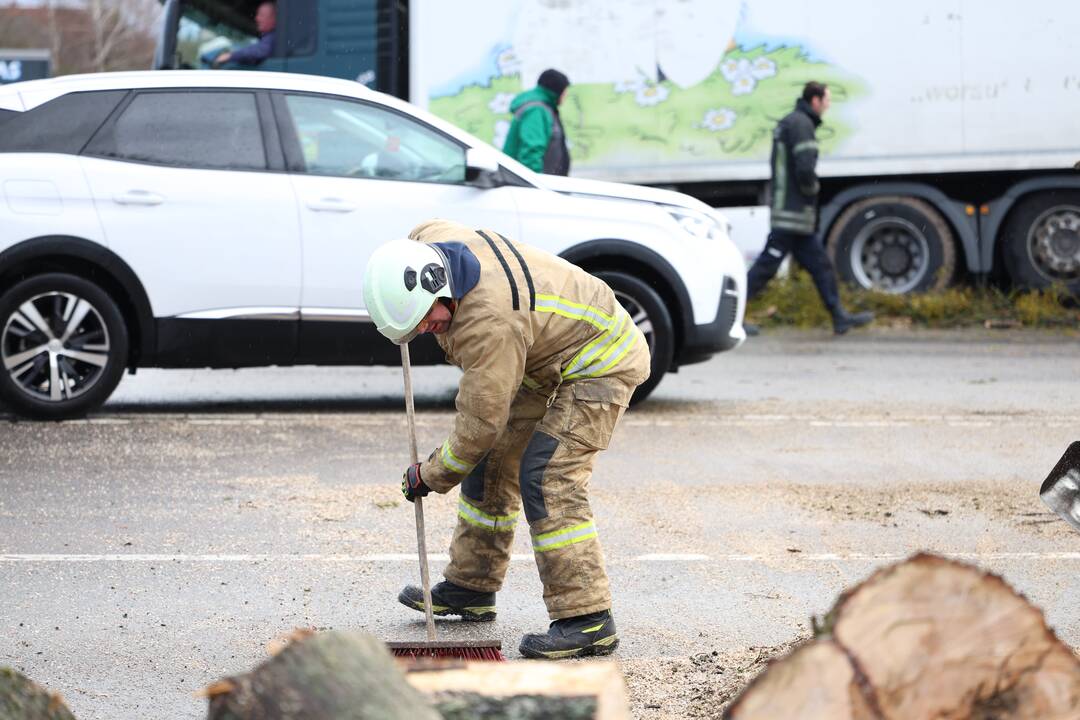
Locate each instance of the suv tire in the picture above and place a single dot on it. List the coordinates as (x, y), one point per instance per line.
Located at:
(648, 311)
(63, 346)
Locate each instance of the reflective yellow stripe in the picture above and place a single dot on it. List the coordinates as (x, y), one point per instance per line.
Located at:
(615, 349)
(475, 516)
(562, 538)
(574, 311)
(623, 348)
(530, 383)
(451, 461)
(576, 305)
(587, 363)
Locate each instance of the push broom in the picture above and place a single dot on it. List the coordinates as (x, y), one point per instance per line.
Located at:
(464, 649)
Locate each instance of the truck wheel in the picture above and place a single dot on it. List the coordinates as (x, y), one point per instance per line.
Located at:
(648, 311)
(1041, 241)
(894, 244)
(63, 346)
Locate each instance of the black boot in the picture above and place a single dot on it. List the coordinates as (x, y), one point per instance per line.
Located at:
(450, 599)
(843, 321)
(592, 634)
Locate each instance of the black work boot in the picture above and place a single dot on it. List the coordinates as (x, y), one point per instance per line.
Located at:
(843, 321)
(592, 634)
(450, 599)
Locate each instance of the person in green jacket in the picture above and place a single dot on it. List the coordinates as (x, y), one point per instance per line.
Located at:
(536, 138)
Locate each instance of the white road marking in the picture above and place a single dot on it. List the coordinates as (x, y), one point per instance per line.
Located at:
(522, 557)
(441, 418)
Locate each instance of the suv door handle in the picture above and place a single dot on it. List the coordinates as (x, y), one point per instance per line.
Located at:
(138, 197)
(331, 204)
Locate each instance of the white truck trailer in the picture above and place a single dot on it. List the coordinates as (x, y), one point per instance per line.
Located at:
(948, 153)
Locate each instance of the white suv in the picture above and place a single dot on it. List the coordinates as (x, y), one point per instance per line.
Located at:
(195, 219)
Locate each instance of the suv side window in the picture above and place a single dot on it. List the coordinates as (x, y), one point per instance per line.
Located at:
(200, 129)
(355, 139)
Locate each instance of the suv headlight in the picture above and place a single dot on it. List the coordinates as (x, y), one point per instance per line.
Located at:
(697, 223)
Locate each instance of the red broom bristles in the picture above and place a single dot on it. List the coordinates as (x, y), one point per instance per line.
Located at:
(463, 653)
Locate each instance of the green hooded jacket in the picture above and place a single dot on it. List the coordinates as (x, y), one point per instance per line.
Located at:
(536, 138)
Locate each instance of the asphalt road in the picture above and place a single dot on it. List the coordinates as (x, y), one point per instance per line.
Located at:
(160, 544)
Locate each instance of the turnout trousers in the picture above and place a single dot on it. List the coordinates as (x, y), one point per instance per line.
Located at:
(542, 462)
(809, 252)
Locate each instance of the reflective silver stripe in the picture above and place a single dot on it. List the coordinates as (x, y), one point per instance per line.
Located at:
(451, 461)
(805, 227)
(805, 145)
(494, 523)
(779, 171)
(563, 538)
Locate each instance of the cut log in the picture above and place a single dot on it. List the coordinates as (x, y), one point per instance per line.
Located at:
(532, 690)
(330, 676)
(939, 639)
(813, 682)
(23, 699)
(927, 639)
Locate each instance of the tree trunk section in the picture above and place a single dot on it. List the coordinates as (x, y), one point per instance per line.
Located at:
(23, 699)
(813, 682)
(926, 639)
(526, 690)
(939, 639)
(330, 676)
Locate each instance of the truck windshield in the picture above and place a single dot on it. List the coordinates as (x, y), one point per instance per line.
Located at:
(206, 29)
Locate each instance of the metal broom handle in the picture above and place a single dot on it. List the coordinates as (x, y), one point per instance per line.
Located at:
(418, 502)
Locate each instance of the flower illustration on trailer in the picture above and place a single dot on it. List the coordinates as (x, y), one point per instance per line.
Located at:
(717, 120)
(501, 128)
(650, 95)
(762, 68)
(508, 62)
(629, 86)
(743, 85)
(735, 68)
(744, 74)
(500, 104)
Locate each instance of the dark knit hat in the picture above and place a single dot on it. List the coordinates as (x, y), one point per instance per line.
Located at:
(554, 81)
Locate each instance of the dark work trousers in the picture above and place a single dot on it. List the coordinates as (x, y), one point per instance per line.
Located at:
(808, 252)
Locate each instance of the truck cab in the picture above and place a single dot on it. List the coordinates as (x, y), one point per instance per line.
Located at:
(360, 40)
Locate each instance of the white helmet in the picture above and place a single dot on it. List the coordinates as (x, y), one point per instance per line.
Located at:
(402, 280)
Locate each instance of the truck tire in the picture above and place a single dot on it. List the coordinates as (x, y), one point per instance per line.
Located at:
(1041, 241)
(63, 346)
(893, 243)
(647, 309)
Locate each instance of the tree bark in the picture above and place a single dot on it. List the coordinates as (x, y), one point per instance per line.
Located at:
(526, 690)
(23, 699)
(330, 676)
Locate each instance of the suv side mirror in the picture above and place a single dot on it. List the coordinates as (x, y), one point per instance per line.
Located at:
(482, 168)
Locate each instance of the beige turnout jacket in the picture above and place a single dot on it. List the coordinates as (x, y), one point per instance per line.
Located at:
(532, 322)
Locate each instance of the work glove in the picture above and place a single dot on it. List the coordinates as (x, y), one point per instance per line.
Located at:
(411, 484)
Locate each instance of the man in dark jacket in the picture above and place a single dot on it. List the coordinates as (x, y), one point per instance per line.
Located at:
(536, 138)
(794, 208)
(265, 24)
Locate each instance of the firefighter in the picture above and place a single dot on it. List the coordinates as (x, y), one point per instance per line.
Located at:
(550, 360)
